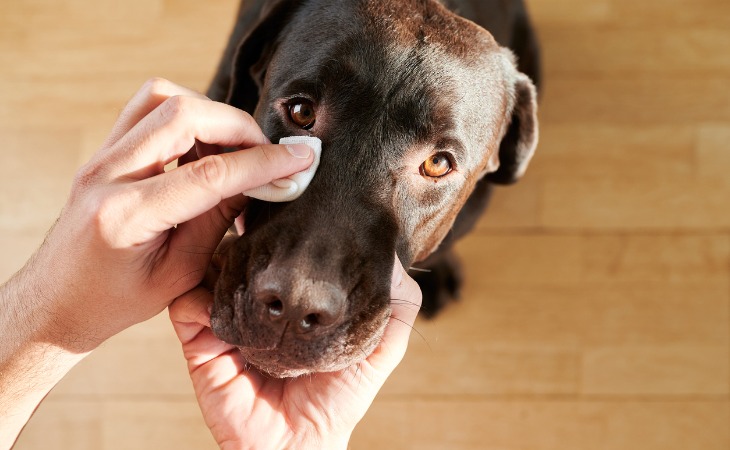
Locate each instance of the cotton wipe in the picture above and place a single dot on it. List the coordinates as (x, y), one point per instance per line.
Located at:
(290, 188)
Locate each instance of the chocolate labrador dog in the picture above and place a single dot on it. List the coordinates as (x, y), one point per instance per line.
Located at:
(420, 107)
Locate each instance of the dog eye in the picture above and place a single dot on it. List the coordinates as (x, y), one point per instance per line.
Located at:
(302, 114)
(436, 165)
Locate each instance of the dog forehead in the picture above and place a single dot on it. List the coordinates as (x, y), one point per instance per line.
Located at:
(424, 71)
(410, 21)
(470, 71)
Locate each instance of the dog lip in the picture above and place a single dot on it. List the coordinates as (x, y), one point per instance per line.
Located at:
(268, 348)
(287, 367)
(259, 349)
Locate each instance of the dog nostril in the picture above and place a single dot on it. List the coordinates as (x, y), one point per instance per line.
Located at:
(276, 309)
(308, 322)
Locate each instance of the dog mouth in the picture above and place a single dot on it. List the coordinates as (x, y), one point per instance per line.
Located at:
(288, 321)
(285, 353)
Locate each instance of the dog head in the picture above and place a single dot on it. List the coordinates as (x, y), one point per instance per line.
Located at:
(413, 105)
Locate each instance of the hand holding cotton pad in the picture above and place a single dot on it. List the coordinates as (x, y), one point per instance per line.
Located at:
(290, 188)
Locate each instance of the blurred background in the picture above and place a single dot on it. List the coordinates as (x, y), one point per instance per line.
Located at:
(595, 313)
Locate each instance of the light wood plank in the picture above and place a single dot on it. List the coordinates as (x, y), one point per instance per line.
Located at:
(65, 425)
(525, 259)
(564, 12)
(18, 247)
(548, 341)
(664, 16)
(655, 370)
(713, 152)
(620, 51)
(621, 204)
(545, 425)
(658, 153)
(113, 424)
(636, 100)
(668, 14)
(160, 371)
(143, 424)
(37, 171)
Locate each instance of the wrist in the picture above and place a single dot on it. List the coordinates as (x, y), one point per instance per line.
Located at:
(31, 363)
(49, 297)
(34, 319)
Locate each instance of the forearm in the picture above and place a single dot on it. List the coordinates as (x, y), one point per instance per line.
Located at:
(31, 361)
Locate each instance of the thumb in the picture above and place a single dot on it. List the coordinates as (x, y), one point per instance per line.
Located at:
(405, 303)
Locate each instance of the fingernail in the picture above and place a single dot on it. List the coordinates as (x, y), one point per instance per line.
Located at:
(284, 183)
(301, 151)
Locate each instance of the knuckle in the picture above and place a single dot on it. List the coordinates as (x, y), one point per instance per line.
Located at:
(110, 215)
(155, 86)
(86, 176)
(268, 153)
(261, 164)
(248, 120)
(209, 171)
(228, 213)
(103, 217)
(176, 108)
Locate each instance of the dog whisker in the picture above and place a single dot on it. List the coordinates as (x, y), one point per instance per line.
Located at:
(354, 375)
(358, 369)
(344, 383)
(360, 372)
(414, 329)
(418, 269)
(406, 305)
(403, 301)
(400, 301)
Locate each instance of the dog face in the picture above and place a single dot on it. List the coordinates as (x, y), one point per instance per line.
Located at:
(413, 105)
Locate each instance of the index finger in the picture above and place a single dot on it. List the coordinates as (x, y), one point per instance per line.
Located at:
(189, 191)
(151, 95)
(172, 129)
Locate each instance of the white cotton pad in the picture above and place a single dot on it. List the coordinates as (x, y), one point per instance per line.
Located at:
(290, 188)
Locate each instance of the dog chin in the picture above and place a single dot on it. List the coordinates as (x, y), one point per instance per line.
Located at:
(279, 364)
(268, 362)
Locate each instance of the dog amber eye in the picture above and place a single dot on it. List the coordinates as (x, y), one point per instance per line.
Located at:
(436, 166)
(302, 114)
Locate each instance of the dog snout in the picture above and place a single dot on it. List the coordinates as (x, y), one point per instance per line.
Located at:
(285, 300)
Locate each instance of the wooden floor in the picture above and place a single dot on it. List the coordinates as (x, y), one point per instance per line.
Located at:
(596, 311)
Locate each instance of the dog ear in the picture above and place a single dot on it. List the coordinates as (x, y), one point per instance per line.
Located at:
(520, 140)
(253, 54)
(241, 71)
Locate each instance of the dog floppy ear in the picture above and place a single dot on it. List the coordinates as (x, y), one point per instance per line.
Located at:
(243, 67)
(520, 140)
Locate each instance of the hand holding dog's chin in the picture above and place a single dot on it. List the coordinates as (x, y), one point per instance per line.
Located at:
(246, 410)
(131, 237)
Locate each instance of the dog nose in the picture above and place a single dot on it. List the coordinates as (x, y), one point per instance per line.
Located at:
(306, 306)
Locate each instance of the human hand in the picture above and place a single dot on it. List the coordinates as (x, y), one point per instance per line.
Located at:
(132, 238)
(245, 409)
